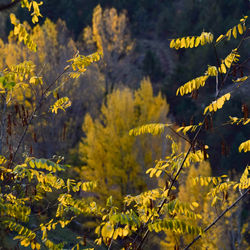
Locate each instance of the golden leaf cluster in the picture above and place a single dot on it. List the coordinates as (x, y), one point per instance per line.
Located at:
(244, 146)
(217, 104)
(241, 27)
(193, 41)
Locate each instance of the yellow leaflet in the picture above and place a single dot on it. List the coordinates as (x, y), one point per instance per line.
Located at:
(239, 120)
(152, 128)
(183, 43)
(235, 32)
(229, 34)
(190, 42)
(187, 42)
(192, 85)
(62, 103)
(241, 79)
(177, 43)
(202, 37)
(245, 179)
(197, 42)
(222, 68)
(172, 43)
(219, 38)
(244, 146)
(240, 28)
(212, 71)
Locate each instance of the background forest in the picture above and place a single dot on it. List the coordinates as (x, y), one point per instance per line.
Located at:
(134, 83)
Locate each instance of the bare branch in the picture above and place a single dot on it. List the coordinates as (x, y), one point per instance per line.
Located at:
(9, 5)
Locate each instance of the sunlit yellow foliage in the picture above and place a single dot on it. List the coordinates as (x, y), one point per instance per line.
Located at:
(21, 33)
(62, 104)
(244, 146)
(80, 63)
(192, 85)
(237, 121)
(217, 104)
(244, 180)
(109, 31)
(193, 41)
(241, 28)
(185, 129)
(232, 57)
(32, 5)
(112, 156)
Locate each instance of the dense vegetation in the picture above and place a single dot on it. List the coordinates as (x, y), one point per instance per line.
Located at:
(82, 88)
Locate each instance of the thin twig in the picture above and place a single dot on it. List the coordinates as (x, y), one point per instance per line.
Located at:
(9, 5)
(218, 218)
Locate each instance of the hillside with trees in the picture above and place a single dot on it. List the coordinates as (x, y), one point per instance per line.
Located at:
(124, 125)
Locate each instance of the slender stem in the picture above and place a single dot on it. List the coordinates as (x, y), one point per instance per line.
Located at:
(218, 218)
(218, 65)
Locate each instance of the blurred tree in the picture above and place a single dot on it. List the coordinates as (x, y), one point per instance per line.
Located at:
(110, 34)
(110, 156)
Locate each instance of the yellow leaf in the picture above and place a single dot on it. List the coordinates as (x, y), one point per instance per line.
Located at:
(181, 91)
(34, 19)
(183, 42)
(187, 42)
(107, 230)
(125, 232)
(242, 79)
(240, 28)
(227, 96)
(158, 173)
(195, 204)
(219, 103)
(172, 43)
(13, 18)
(244, 146)
(197, 41)
(202, 38)
(235, 32)
(229, 34)
(185, 130)
(25, 242)
(153, 171)
(214, 201)
(223, 68)
(17, 29)
(177, 43)
(219, 38)
(33, 245)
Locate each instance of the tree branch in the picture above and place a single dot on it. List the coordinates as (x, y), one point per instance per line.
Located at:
(189, 150)
(218, 218)
(173, 181)
(9, 5)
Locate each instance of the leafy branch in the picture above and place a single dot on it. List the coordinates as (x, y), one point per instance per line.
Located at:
(218, 218)
(223, 80)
